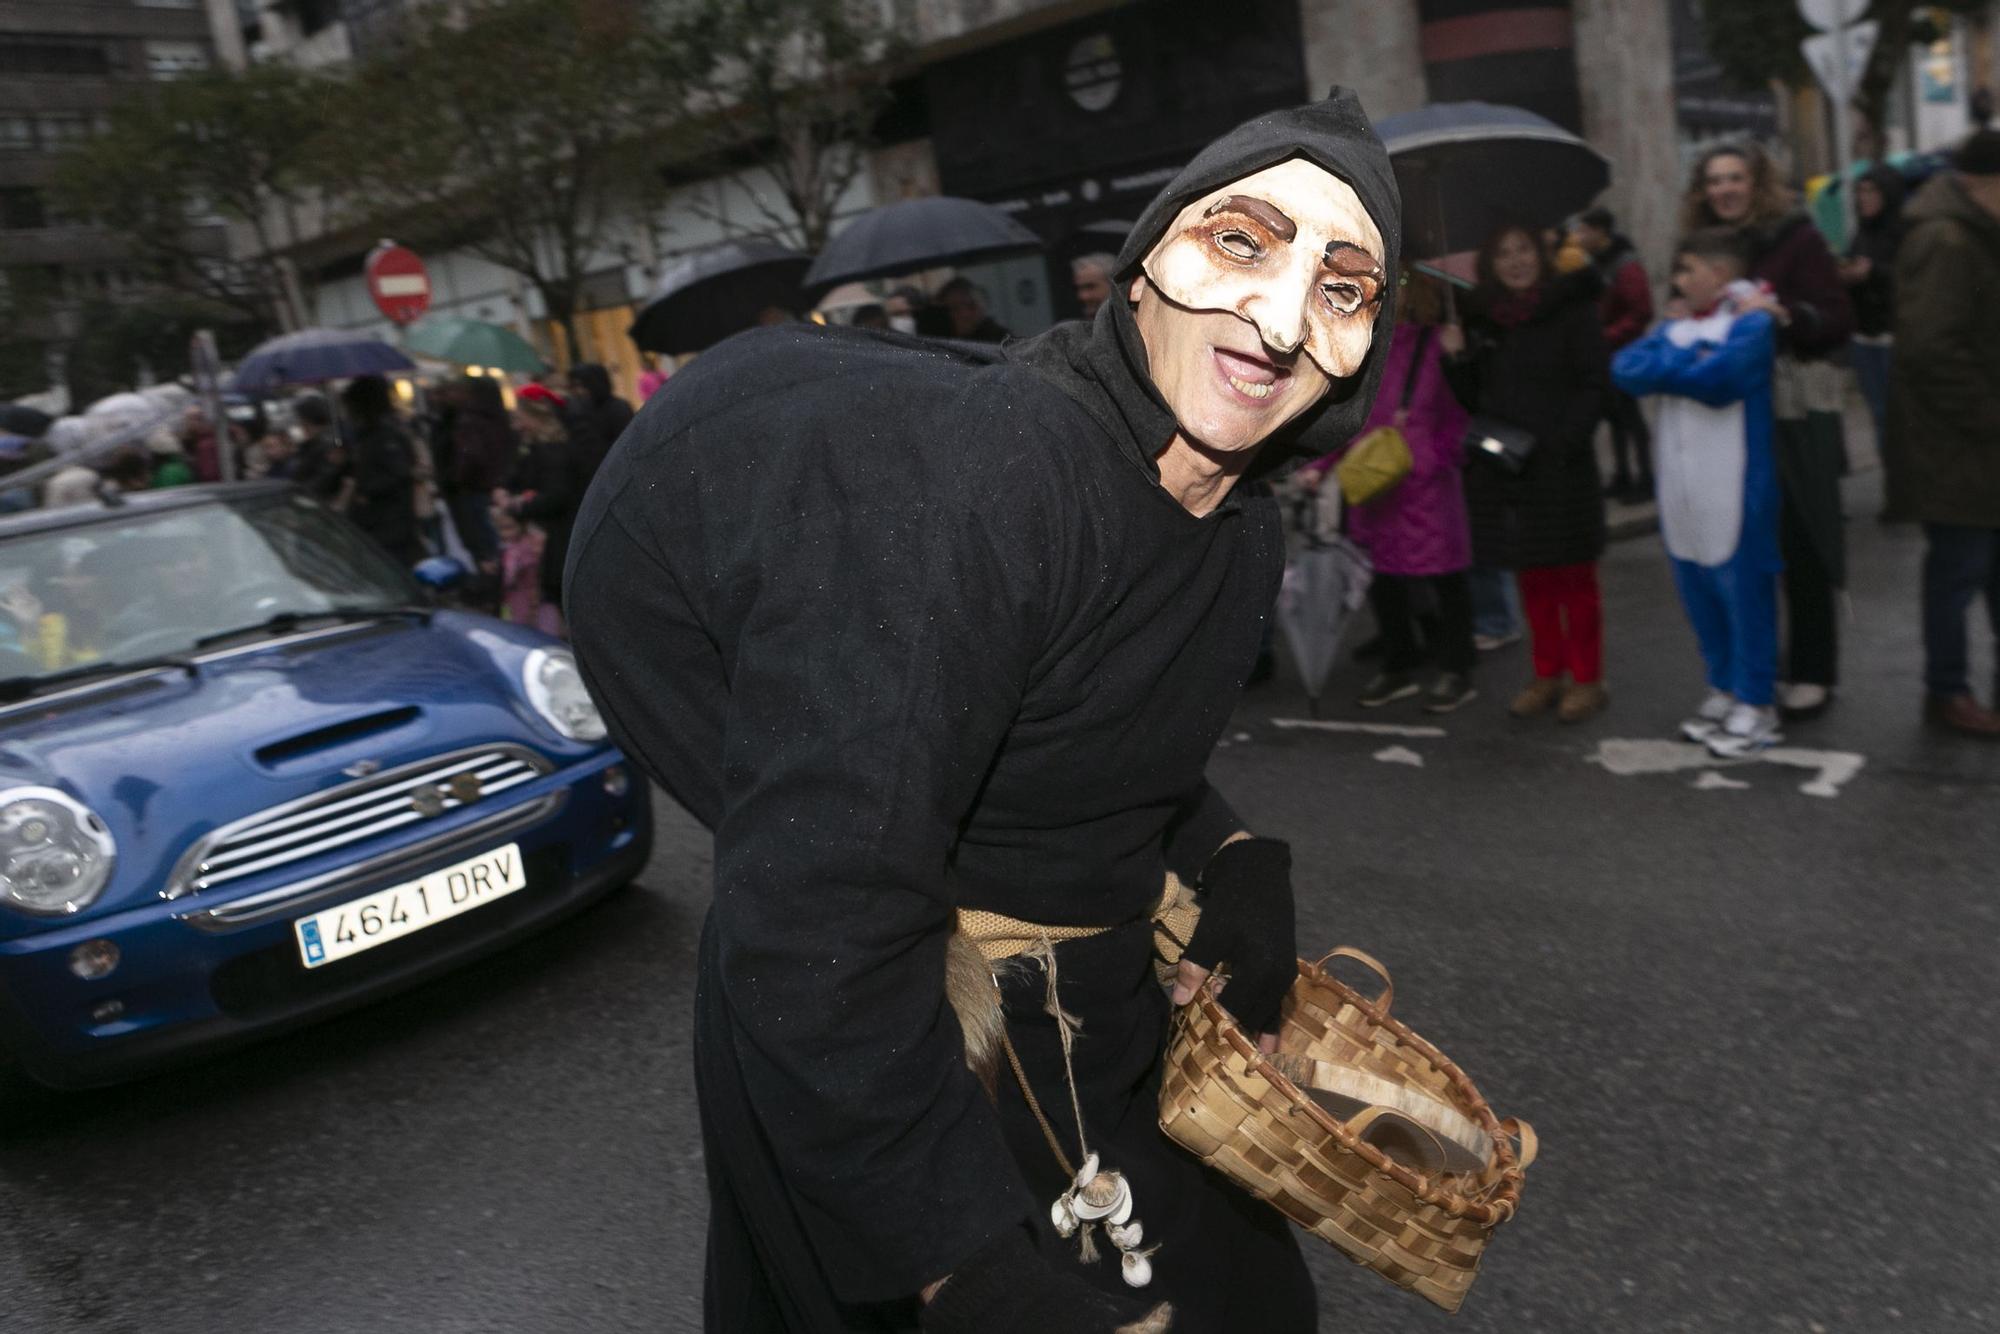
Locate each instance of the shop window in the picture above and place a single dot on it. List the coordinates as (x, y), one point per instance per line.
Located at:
(17, 134)
(58, 130)
(54, 55)
(21, 209)
(171, 60)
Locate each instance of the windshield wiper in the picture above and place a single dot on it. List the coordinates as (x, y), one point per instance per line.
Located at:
(279, 622)
(21, 687)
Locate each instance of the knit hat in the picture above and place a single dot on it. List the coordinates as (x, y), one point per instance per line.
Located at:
(1979, 155)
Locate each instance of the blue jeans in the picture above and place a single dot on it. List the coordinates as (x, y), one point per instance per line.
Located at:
(1961, 563)
(1871, 373)
(1496, 602)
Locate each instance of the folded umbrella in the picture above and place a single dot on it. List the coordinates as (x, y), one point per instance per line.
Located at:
(708, 294)
(314, 356)
(919, 234)
(1325, 584)
(1467, 168)
(472, 343)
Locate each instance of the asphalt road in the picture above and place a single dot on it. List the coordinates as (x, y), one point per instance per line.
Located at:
(1754, 1027)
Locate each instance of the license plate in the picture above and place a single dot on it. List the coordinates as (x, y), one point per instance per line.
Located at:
(387, 914)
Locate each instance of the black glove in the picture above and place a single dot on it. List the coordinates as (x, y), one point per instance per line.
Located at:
(1008, 1288)
(1247, 923)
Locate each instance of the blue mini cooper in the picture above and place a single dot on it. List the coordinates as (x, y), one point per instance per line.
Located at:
(248, 777)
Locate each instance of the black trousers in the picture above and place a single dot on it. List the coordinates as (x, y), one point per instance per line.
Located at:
(1394, 600)
(1811, 614)
(1631, 441)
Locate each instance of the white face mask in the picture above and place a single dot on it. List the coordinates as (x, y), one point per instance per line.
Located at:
(1291, 250)
(903, 323)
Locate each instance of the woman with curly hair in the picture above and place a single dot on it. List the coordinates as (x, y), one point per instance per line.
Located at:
(1736, 185)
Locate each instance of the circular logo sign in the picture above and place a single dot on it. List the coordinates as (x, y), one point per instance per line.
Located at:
(1093, 74)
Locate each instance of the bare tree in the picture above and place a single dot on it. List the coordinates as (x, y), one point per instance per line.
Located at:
(796, 88)
(222, 144)
(512, 128)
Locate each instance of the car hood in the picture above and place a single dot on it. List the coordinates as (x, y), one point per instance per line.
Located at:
(166, 759)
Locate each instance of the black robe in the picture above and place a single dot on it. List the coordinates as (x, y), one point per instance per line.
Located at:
(923, 631)
(912, 627)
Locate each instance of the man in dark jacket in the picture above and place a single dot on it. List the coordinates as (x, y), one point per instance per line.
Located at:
(1626, 309)
(1945, 403)
(931, 634)
(598, 416)
(964, 304)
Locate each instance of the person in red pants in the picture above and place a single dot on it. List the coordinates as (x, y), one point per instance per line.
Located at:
(1530, 356)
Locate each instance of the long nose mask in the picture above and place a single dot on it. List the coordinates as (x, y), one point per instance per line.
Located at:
(1290, 249)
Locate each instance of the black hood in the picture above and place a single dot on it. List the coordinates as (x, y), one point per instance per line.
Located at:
(1334, 134)
(593, 379)
(1894, 189)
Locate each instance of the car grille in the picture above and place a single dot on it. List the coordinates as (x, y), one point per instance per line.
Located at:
(351, 813)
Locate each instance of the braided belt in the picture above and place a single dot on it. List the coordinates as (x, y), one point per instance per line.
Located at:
(998, 936)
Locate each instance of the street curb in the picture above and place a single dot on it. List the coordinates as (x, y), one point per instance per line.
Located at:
(1629, 521)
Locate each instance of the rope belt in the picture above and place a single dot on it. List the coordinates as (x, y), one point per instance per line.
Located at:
(997, 936)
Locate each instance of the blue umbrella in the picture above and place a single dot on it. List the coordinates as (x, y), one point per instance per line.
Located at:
(1466, 168)
(919, 234)
(313, 356)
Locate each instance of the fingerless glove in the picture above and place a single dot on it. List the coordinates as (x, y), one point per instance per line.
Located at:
(1247, 922)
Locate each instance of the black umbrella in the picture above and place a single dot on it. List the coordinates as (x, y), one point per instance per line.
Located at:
(919, 234)
(1466, 168)
(708, 294)
(20, 419)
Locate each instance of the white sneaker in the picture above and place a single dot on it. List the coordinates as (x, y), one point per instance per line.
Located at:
(1746, 731)
(1709, 716)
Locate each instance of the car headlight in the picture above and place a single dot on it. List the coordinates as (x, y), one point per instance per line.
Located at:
(56, 856)
(555, 687)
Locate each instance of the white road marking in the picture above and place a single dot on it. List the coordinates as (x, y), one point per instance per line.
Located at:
(1627, 757)
(1710, 781)
(1364, 729)
(1400, 755)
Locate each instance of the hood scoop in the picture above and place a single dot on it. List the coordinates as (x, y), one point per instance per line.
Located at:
(278, 753)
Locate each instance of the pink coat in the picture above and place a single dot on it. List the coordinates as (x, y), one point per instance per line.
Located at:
(1419, 526)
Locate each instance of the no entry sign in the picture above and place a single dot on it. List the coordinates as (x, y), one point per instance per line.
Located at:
(398, 282)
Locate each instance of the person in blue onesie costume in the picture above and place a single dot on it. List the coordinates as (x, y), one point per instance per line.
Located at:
(1711, 363)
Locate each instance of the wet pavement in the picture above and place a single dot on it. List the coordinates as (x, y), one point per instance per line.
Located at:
(1753, 1024)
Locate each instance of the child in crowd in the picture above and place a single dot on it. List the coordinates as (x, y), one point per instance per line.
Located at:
(1711, 361)
(520, 574)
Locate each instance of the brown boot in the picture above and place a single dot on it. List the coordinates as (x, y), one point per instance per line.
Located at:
(1537, 698)
(1580, 701)
(1962, 714)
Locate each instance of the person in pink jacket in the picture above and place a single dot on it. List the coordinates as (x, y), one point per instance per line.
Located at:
(1417, 531)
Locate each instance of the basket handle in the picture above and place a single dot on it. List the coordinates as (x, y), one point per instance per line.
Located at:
(1525, 1133)
(1423, 1137)
(1369, 961)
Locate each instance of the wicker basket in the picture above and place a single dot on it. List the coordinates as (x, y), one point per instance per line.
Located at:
(1234, 1108)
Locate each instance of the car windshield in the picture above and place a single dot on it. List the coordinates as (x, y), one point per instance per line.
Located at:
(148, 585)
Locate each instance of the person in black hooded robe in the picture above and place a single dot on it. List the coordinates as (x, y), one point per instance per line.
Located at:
(917, 629)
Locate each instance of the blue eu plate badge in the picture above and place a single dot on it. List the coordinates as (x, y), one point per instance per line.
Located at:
(309, 937)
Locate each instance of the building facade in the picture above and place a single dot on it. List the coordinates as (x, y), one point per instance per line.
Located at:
(1103, 101)
(63, 65)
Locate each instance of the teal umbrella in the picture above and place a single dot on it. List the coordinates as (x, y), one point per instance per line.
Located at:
(472, 343)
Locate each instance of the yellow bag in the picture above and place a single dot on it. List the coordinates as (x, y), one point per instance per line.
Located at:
(1373, 464)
